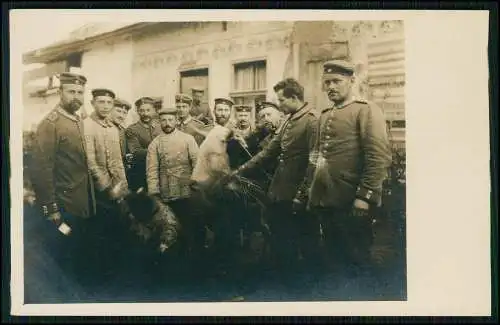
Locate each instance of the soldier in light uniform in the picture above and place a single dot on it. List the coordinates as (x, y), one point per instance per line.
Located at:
(170, 162)
(186, 122)
(107, 169)
(139, 135)
(351, 156)
(199, 109)
(243, 125)
(60, 175)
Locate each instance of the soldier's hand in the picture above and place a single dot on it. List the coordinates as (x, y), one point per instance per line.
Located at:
(360, 208)
(298, 205)
(55, 218)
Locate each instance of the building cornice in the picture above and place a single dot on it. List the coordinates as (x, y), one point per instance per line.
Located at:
(60, 50)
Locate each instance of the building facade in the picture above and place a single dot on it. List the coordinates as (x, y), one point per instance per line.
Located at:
(237, 59)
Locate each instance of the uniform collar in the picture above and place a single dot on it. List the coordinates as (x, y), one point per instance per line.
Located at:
(148, 126)
(300, 112)
(64, 113)
(105, 123)
(346, 102)
(174, 132)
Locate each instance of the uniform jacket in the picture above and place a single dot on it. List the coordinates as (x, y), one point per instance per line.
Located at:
(123, 140)
(243, 132)
(59, 167)
(104, 153)
(170, 162)
(202, 113)
(350, 156)
(193, 126)
(139, 136)
(290, 146)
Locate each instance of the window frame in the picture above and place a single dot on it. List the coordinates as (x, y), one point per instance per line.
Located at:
(181, 71)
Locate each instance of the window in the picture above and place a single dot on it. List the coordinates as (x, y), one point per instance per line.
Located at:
(399, 124)
(74, 60)
(249, 84)
(194, 79)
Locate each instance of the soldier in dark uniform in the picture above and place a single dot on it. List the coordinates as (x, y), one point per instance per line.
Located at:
(199, 109)
(139, 135)
(351, 159)
(187, 123)
(118, 117)
(291, 230)
(61, 179)
(243, 125)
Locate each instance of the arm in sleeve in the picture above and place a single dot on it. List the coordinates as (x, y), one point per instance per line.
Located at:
(44, 151)
(152, 168)
(134, 146)
(193, 150)
(312, 136)
(376, 151)
(102, 179)
(271, 151)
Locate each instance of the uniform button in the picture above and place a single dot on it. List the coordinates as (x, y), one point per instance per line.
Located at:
(326, 145)
(327, 137)
(281, 160)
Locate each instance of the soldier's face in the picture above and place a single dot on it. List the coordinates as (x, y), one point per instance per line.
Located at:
(243, 117)
(338, 87)
(197, 96)
(72, 97)
(119, 115)
(146, 112)
(103, 105)
(270, 118)
(168, 122)
(182, 109)
(222, 113)
(287, 104)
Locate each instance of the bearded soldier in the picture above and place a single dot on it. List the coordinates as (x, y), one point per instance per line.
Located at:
(349, 163)
(60, 175)
(170, 162)
(139, 135)
(243, 125)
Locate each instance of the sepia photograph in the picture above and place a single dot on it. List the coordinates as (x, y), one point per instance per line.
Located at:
(208, 161)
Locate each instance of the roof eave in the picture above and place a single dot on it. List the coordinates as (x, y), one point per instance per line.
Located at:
(54, 52)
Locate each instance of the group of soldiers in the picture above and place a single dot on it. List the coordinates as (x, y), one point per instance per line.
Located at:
(321, 170)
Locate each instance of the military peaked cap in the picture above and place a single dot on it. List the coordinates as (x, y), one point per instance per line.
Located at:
(122, 103)
(103, 92)
(183, 98)
(223, 101)
(243, 108)
(167, 110)
(267, 104)
(67, 78)
(198, 89)
(338, 66)
(144, 100)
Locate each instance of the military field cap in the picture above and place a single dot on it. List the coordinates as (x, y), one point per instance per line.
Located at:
(198, 89)
(267, 104)
(338, 66)
(67, 78)
(103, 92)
(167, 110)
(144, 100)
(183, 98)
(243, 108)
(122, 103)
(223, 101)
(158, 104)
